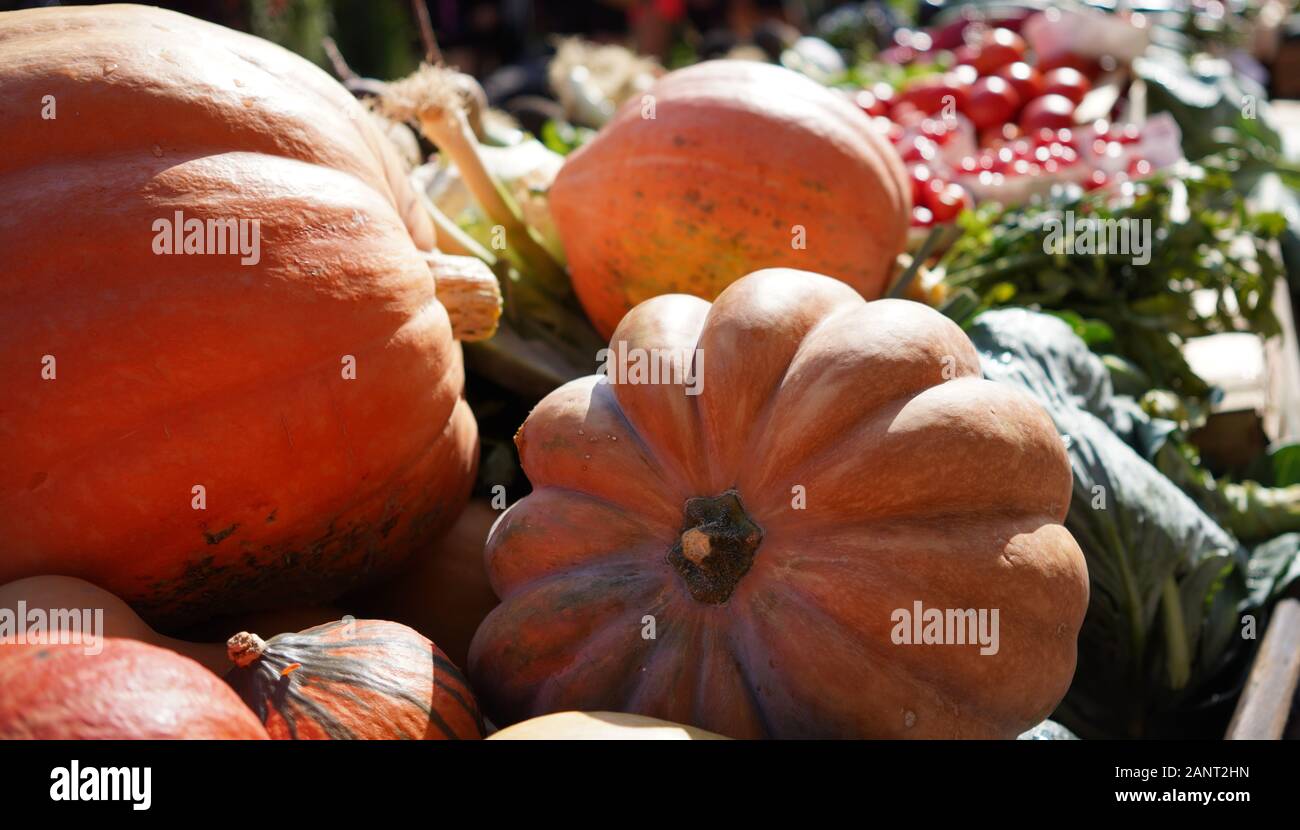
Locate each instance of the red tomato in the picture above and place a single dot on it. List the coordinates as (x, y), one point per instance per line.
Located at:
(1053, 111)
(1064, 154)
(992, 101)
(1049, 135)
(907, 114)
(883, 92)
(1139, 168)
(1068, 82)
(931, 94)
(965, 73)
(1025, 167)
(869, 103)
(1026, 80)
(939, 131)
(887, 128)
(921, 177)
(966, 53)
(998, 48)
(948, 201)
(922, 149)
(1087, 66)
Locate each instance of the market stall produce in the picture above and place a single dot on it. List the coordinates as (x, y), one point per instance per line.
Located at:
(848, 379)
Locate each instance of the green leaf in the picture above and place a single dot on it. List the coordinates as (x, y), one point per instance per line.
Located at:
(1285, 462)
(1274, 569)
(1166, 579)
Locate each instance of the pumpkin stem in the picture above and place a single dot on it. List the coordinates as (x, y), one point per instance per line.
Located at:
(451, 239)
(469, 291)
(434, 97)
(716, 547)
(695, 545)
(245, 648)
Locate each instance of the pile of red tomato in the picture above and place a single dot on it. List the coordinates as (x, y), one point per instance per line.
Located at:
(993, 115)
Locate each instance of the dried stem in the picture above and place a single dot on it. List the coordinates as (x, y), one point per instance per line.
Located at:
(351, 81)
(451, 237)
(245, 649)
(470, 293)
(432, 54)
(432, 98)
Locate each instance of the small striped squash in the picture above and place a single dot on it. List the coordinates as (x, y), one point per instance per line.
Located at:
(353, 679)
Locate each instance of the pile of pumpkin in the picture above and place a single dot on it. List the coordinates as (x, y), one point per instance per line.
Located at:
(193, 444)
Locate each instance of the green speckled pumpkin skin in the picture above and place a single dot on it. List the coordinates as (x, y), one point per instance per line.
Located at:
(743, 166)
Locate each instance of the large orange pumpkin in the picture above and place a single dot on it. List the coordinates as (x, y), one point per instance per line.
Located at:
(207, 432)
(737, 560)
(721, 169)
(128, 691)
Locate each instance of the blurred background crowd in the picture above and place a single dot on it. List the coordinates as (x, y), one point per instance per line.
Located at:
(507, 43)
(380, 37)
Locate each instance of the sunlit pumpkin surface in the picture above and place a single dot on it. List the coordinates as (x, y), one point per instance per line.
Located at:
(720, 169)
(732, 560)
(180, 429)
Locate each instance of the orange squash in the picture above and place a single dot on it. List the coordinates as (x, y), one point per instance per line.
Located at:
(351, 680)
(444, 592)
(210, 432)
(720, 169)
(47, 594)
(741, 560)
(601, 726)
(128, 691)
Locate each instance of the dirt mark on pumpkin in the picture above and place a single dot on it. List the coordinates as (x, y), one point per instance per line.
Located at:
(216, 538)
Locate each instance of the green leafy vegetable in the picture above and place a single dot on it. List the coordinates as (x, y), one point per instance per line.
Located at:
(563, 138)
(1160, 652)
(1201, 237)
